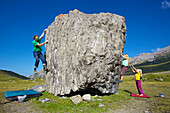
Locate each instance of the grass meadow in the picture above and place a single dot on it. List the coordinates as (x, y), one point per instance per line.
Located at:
(110, 103)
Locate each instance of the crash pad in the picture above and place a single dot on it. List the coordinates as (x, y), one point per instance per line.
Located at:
(12, 95)
(135, 95)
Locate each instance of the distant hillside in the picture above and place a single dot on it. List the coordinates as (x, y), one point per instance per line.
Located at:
(39, 74)
(13, 74)
(151, 62)
(150, 57)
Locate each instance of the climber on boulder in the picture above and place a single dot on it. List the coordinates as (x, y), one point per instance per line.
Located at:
(124, 66)
(37, 51)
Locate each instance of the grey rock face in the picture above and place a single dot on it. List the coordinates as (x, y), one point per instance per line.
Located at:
(39, 88)
(76, 99)
(86, 97)
(84, 52)
(159, 79)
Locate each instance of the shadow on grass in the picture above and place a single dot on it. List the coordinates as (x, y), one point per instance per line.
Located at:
(10, 101)
(5, 102)
(127, 91)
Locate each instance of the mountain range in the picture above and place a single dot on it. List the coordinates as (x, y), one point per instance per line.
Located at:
(158, 61)
(150, 57)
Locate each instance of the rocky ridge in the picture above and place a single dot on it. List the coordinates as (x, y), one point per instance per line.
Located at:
(40, 74)
(143, 57)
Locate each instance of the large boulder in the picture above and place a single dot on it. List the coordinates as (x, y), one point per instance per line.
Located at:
(84, 52)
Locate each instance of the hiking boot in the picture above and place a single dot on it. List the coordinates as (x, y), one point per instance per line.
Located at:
(35, 71)
(44, 68)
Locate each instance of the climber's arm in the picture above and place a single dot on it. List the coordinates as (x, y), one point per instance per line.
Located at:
(42, 43)
(132, 69)
(123, 56)
(43, 33)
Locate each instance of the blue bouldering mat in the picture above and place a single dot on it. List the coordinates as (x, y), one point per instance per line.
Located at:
(12, 95)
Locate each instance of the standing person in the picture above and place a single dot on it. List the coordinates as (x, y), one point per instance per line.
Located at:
(138, 75)
(37, 51)
(124, 66)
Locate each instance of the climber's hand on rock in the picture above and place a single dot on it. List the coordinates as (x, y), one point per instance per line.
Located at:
(46, 41)
(45, 30)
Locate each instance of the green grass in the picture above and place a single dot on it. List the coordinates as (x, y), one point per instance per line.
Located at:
(65, 105)
(10, 83)
(152, 77)
(152, 88)
(111, 102)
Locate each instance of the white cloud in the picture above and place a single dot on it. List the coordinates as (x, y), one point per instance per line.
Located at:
(165, 4)
(157, 49)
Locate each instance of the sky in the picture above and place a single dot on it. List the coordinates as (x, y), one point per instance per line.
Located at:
(147, 21)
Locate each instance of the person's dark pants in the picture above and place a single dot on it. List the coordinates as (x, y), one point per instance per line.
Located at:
(139, 86)
(38, 55)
